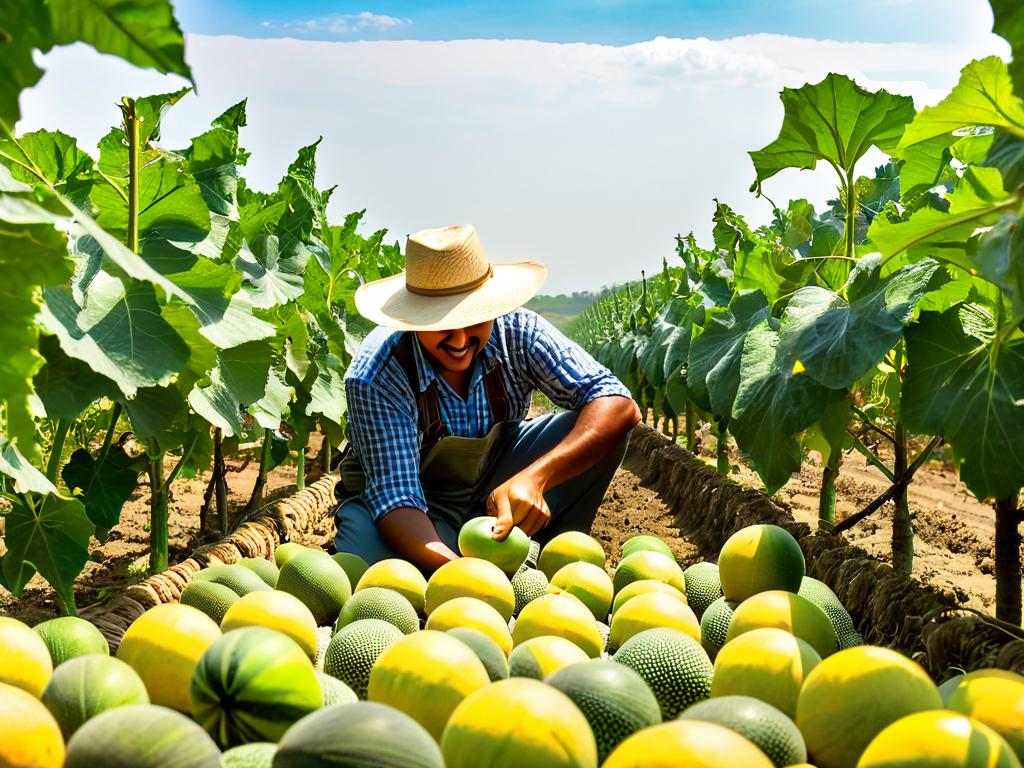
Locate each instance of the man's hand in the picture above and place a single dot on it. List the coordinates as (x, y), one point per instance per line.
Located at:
(518, 501)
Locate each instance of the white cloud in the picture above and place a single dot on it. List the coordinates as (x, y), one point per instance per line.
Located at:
(342, 23)
(587, 157)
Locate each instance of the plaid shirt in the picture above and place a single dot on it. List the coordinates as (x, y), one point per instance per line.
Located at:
(382, 408)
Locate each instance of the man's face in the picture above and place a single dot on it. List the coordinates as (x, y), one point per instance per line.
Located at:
(455, 350)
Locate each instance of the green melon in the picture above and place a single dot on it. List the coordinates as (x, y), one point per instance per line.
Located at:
(70, 636)
(849, 639)
(569, 547)
(353, 565)
(649, 565)
(703, 586)
(760, 558)
(490, 655)
(764, 725)
(527, 586)
(354, 649)
(83, 687)
(674, 666)
(237, 578)
(540, 656)
(251, 685)
(788, 611)
(647, 543)
(141, 736)
(559, 615)
(475, 540)
(211, 598)
(263, 568)
(323, 639)
(823, 597)
(643, 587)
(259, 754)
(938, 739)
(379, 603)
(615, 700)
(362, 734)
(714, 625)
(335, 691)
(319, 582)
(689, 743)
(287, 551)
(588, 584)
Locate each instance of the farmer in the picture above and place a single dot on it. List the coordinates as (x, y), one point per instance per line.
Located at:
(437, 411)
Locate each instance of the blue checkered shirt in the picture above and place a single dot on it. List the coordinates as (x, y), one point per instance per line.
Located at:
(532, 354)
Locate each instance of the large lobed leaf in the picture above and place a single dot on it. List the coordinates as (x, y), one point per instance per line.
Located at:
(1009, 23)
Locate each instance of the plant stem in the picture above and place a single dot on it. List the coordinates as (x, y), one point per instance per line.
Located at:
(131, 129)
(851, 216)
(691, 427)
(872, 459)
(261, 478)
(300, 469)
(325, 451)
(722, 449)
(902, 525)
(57, 449)
(827, 497)
(1008, 563)
(158, 557)
(220, 481)
(108, 438)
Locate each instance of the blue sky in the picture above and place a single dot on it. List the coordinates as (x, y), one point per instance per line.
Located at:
(613, 22)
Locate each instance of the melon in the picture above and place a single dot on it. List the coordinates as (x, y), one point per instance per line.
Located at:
(476, 540)
(538, 657)
(29, 736)
(490, 655)
(649, 611)
(714, 625)
(761, 723)
(527, 586)
(588, 584)
(852, 695)
(767, 664)
(399, 575)
(996, 698)
(275, 610)
(83, 687)
(323, 640)
(649, 565)
(938, 739)
(515, 723)
(334, 691)
(703, 586)
(141, 736)
(251, 685)
(259, 754)
(947, 688)
(263, 568)
(24, 658)
(819, 593)
(643, 587)
(287, 551)
(426, 675)
(358, 734)
(211, 598)
(689, 743)
(69, 636)
(569, 547)
(353, 565)
(237, 578)
(788, 611)
(473, 614)
(760, 558)
(648, 543)
(317, 581)
(615, 700)
(471, 577)
(355, 648)
(379, 603)
(163, 646)
(562, 616)
(674, 666)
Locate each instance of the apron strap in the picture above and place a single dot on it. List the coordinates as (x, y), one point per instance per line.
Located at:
(497, 395)
(428, 404)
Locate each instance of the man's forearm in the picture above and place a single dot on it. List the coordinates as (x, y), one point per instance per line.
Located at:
(411, 534)
(600, 426)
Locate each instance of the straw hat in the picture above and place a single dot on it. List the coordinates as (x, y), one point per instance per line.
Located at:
(448, 283)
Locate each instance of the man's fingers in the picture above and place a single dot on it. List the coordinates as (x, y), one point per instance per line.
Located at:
(503, 511)
(536, 519)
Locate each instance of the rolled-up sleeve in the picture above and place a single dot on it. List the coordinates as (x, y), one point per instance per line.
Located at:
(563, 370)
(385, 437)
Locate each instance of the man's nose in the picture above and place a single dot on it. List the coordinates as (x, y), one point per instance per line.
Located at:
(457, 338)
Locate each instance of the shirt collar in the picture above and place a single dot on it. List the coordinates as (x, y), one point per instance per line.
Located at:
(485, 361)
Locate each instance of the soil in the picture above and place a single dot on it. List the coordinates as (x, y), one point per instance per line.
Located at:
(123, 558)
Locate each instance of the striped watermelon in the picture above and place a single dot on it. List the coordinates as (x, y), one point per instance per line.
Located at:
(251, 685)
(84, 686)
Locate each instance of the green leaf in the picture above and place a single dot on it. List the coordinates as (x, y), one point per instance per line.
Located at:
(1000, 259)
(1009, 23)
(966, 383)
(271, 409)
(240, 379)
(103, 488)
(23, 27)
(53, 155)
(27, 479)
(143, 32)
(118, 331)
(772, 407)
(839, 338)
(836, 121)
(65, 385)
(829, 434)
(158, 413)
(49, 535)
(272, 270)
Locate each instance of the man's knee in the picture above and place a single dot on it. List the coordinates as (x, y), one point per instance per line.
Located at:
(357, 532)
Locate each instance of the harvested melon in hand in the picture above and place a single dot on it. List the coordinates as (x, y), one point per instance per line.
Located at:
(476, 539)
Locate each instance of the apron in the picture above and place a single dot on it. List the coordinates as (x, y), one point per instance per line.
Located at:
(452, 468)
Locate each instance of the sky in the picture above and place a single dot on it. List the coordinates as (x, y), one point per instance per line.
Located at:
(585, 135)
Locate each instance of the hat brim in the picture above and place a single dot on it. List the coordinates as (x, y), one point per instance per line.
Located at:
(387, 302)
